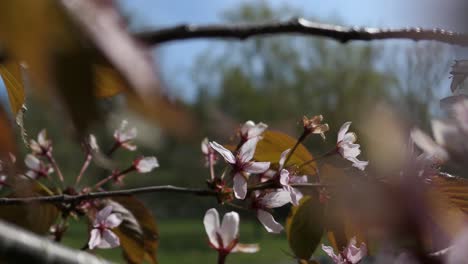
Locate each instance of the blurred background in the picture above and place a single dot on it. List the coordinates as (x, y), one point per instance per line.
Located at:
(275, 80)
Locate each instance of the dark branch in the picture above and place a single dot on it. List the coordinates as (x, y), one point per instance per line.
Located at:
(298, 26)
(64, 198)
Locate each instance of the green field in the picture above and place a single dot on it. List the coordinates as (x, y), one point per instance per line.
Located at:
(185, 241)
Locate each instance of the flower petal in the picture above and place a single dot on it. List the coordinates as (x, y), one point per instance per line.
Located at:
(205, 146)
(147, 164)
(344, 128)
(109, 239)
(283, 157)
(428, 145)
(229, 228)
(246, 248)
(211, 222)
(276, 199)
(256, 167)
(332, 255)
(240, 186)
(32, 162)
(113, 220)
(247, 151)
(295, 194)
(227, 155)
(104, 213)
(95, 239)
(284, 177)
(269, 222)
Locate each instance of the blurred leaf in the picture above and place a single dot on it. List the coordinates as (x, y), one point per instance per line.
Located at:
(274, 143)
(11, 74)
(138, 232)
(304, 227)
(36, 217)
(108, 81)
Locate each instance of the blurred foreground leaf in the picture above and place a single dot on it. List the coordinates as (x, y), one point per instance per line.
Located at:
(12, 77)
(274, 143)
(138, 233)
(305, 226)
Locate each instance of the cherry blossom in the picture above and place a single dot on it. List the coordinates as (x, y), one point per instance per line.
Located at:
(145, 164)
(37, 168)
(251, 130)
(265, 201)
(351, 254)
(313, 125)
(124, 135)
(286, 179)
(224, 237)
(42, 146)
(208, 151)
(242, 164)
(346, 147)
(101, 234)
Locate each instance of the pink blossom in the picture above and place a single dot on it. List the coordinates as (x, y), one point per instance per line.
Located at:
(286, 179)
(251, 130)
(208, 151)
(145, 164)
(242, 164)
(124, 135)
(351, 254)
(101, 234)
(37, 168)
(347, 148)
(42, 146)
(224, 237)
(264, 202)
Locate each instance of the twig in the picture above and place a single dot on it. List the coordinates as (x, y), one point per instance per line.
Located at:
(299, 26)
(65, 198)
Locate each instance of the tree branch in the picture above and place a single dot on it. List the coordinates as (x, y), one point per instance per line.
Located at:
(20, 246)
(65, 198)
(299, 26)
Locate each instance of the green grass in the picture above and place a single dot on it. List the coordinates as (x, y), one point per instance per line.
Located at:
(185, 241)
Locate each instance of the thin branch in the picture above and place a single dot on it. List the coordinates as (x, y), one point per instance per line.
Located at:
(65, 198)
(299, 26)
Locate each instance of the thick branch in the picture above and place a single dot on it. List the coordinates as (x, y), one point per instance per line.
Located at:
(299, 26)
(20, 246)
(65, 198)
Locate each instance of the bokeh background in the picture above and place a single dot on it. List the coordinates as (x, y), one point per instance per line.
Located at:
(275, 80)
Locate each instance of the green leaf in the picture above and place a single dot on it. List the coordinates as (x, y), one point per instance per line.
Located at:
(305, 226)
(138, 233)
(275, 142)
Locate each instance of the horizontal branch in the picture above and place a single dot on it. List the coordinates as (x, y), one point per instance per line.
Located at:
(65, 198)
(298, 26)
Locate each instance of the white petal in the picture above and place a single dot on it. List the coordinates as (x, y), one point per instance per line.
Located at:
(205, 146)
(229, 228)
(275, 199)
(32, 162)
(256, 167)
(104, 213)
(284, 177)
(95, 239)
(240, 186)
(129, 146)
(269, 222)
(332, 255)
(109, 239)
(113, 220)
(344, 128)
(246, 127)
(32, 174)
(211, 222)
(247, 151)
(349, 150)
(146, 164)
(354, 254)
(298, 179)
(93, 143)
(358, 163)
(227, 155)
(257, 130)
(283, 158)
(42, 138)
(296, 195)
(246, 248)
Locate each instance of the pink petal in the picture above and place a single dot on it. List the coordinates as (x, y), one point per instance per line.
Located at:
(283, 157)
(247, 151)
(146, 164)
(298, 179)
(349, 138)
(113, 220)
(246, 127)
(269, 222)
(32, 162)
(229, 228)
(103, 214)
(428, 145)
(227, 155)
(42, 138)
(275, 199)
(296, 195)
(256, 167)
(95, 239)
(129, 146)
(240, 186)
(109, 239)
(344, 128)
(257, 130)
(205, 146)
(331, 254)
(284, 177)
(211, 222)
(246, 248)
